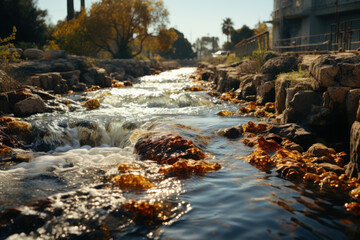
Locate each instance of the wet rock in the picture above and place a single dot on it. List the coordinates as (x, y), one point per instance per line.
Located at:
(29, 106)
(148, 213)
(167, 148)
(225, 113)
(132, 182)
(353, 167)
(353, 207)
(92, 104)
(185, 167)
(232, 133)
(319, 150)
(294, 133)
(89, 133)
(255, 128)
(291, 170)
(33, 53)
(281, 64)
(332, 168)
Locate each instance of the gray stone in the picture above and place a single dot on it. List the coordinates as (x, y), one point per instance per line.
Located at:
(54, 54)
(319, 150)
(332, 168)
(294, 133)
(281, 64)
(266, 93)
(352, 103)
(303, 101)
(353, 167)
(4, 103)
(334, 98)
(33, 53)
(230, 82)
(30, 106)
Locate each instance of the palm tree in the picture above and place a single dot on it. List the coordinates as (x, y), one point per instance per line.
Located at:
(227, 27)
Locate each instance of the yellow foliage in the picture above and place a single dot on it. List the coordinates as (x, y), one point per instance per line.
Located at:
(6, 54)
(73, 37)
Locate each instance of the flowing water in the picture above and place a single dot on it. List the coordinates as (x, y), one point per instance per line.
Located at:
(77, 152)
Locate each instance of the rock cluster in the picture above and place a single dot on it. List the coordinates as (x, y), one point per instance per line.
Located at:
(54, 70)
(320, 93)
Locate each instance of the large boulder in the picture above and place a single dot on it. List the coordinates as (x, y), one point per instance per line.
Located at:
(96, 76)
(301, 105)
(284, 82)
(4, 104)
(54, 54)
(231, 81)
(353, 167)
(29, 106)
(247, 66)
(319, 150)
(328, 70)
(33, 53)
(294, 133)
(281, 64)
(266, 93)
(335, 98)
(352, 103)
(248, 85)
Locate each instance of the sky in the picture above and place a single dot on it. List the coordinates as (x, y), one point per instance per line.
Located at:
(194, 18)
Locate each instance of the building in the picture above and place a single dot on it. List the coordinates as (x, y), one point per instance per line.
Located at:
(316, 25)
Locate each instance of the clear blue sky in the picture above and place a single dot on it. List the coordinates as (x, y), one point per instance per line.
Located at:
(195, 18)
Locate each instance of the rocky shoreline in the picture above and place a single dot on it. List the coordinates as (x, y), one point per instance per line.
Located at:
(316, 97)
(34, 86)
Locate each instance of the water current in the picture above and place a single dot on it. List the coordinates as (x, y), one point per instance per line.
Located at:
(76, 152)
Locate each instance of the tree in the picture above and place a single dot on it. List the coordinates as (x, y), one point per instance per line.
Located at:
(241, 34)
(163, 42)
(227, 27)
(28, 19)
(260, 27)
(206, 45)
(72, 36)
(181, 48)
(114, 25)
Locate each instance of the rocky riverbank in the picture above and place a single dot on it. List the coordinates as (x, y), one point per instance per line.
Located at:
(34, 86)
(313, 94)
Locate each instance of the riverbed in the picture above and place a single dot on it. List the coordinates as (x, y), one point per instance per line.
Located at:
(72, 168)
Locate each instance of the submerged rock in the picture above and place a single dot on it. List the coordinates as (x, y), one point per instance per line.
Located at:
(185, 167)
(167, 148)
(132, 182)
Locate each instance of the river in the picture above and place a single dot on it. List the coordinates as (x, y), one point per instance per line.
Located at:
(236, 202)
